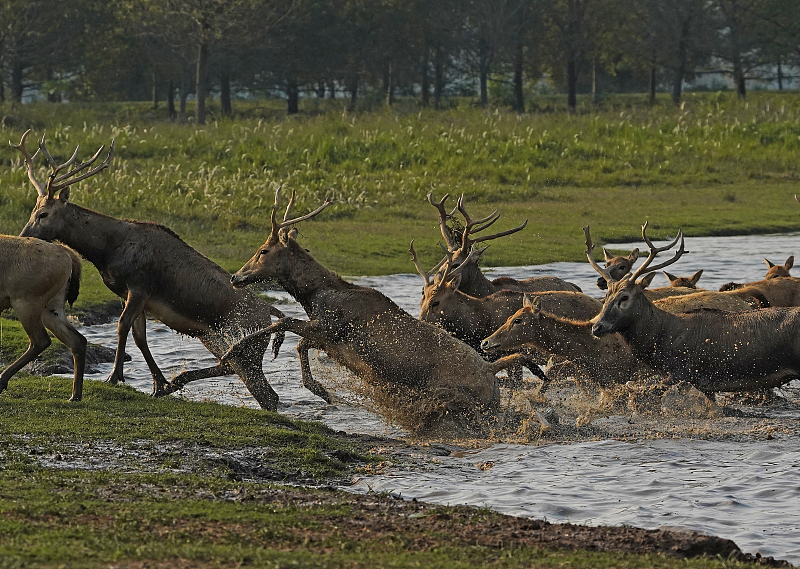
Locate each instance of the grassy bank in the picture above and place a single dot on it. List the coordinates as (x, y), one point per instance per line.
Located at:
(123, 480)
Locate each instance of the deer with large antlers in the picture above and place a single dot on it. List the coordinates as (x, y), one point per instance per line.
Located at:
(473, 281)
(37, 279)
(417, 367)
(155, 272)
(711, 349)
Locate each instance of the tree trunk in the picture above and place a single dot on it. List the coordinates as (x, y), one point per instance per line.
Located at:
(680, 67)
(595, 94)
(184, 93)
(653, 79)
(331, 89)
(780, 77)
(483, 71)
(225, 94)
(201, 86)
(438, 78)
(320, 90)
(292, 96)
(155, 90)
(16, 82)
(352, 87)
(519, 93)
(388, 85)
(171, 101)
(426, 83)
(572, 83)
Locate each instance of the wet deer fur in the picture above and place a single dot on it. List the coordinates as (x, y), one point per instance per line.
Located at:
(711, 349)
(154, 271)
(473, 281)
(367, 333)
(603, 360)
(37, 279)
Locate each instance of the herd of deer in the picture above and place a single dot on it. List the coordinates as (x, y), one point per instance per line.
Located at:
(444, 363)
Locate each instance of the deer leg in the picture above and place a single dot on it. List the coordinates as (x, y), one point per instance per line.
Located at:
(133, 308)
(309, 382)
(56, 321)
(31, 321)
(139, 330)
(185, 377)
(245, 345)
(520, 360)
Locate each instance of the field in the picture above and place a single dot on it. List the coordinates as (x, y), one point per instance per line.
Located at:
(714, 166)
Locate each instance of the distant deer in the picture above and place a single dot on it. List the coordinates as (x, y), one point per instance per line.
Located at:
(773, 272)
(684, 282)
(473, 281)
(416, 365)
(713, 350)
(776, 271)
(153, 270)
(617, 266)
(37, 279)
(603, 360)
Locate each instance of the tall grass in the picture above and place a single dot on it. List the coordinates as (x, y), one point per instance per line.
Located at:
(215, 184)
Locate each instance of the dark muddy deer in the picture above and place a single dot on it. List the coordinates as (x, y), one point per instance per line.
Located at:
(473, 281)
(415, 366)
(37, 279)
(711, 349)
(154, 271)
(603, 360)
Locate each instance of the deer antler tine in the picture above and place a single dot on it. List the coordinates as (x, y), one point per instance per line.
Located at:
(79, 167)
(47, 156)
(40, 188)
(645, 268)
(501, 234)
(289, 207)
(589, 248)
(426, 276)
(63, 181)
(795, 197)
(443, 217)
(306, 216)
(277, 196)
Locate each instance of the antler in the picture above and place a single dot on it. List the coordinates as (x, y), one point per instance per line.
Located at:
(276, 227)
(40, 188)
(450, 272)
(645, 267)
(589, 248)
(54, 181)
(425, 275)
(470, 227)
(443, 217)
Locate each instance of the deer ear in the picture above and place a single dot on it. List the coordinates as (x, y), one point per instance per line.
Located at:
(63, 195)
(696, 277)
(646, 280)
(769, 263)
(527, 301)
(455, 282)
(670, 276)
(789, 262)
(634, 255)
(606, 255)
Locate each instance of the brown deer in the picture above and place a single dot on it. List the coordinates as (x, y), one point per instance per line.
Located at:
(617, 266)
(37, 279)
(473, 281)
(603, 360)
(416, 366)
(156, 272)
(471, 318)
(773, 272)
(684, 282)
(713, 350)
(776, 271)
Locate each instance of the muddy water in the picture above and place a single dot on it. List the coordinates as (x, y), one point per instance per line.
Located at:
(745, 490)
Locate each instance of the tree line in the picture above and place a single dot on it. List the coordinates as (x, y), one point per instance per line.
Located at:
(168, 50)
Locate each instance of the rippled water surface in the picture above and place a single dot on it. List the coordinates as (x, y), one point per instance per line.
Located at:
(748, 492)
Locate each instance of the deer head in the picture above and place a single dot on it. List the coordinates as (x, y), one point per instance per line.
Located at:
(46, 220)
(519, 329)
(617, 265)
(273, 258)
(440, 288)
(687, 282)
(775, 271)
(625, 300)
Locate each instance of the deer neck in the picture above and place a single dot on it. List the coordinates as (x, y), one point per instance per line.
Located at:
(652, 331)
(570, 338)
(304, 278)
(92, 234)
(477, 285)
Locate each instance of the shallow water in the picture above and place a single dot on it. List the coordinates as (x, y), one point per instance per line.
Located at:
(747, 491)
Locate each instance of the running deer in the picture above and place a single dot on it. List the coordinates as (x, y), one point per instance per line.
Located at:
(37, 279)
(416, 367)
(711, 349)
(473, 281)
(603, 360)
(156, 272)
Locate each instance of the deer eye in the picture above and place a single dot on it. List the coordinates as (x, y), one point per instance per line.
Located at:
(434, 304)
(517, 321)
(623, 298)
(263, 252)
(43, 215)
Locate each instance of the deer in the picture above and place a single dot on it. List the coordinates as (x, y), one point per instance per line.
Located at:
(471, 318)
(776, 271)
(713, 350)
(155, 272)
(37, 280)
(473, 281)
(603, 360)
(684, 282)
(617, 265)
(414, 365)
(773, 272)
